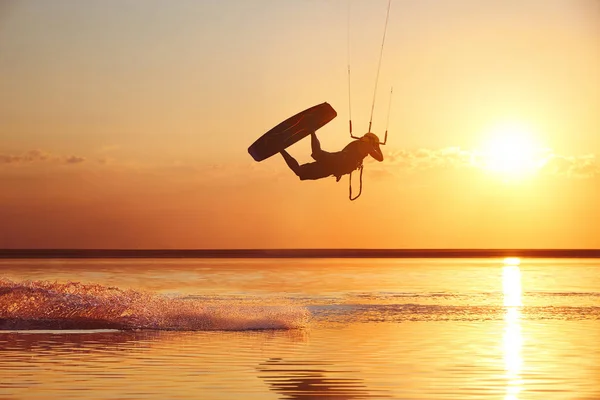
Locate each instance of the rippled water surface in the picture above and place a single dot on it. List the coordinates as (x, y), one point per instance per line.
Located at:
(300, 329)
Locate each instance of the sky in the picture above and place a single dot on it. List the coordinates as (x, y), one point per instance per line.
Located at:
(125, 124)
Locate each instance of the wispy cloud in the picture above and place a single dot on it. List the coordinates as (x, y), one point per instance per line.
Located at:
(585, 166)
(38, 156)
(408, 160)
(74, 160)
(425, 159)
(582, 166)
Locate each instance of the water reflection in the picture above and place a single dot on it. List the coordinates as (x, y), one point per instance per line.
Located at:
(513, 338)
(301, 380)
(70, 342)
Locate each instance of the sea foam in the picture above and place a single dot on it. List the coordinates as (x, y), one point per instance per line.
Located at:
(73, 305)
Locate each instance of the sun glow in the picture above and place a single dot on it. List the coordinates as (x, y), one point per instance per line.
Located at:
(511, 285)
(512, 152)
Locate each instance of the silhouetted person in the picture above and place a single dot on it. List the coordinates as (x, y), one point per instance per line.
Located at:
(337, 164)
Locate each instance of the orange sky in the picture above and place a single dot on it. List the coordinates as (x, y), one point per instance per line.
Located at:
(127, 124)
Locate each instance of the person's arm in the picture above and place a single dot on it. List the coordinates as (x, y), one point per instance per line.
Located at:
(375, 152)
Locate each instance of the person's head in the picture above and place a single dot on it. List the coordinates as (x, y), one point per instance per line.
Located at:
(373, 141)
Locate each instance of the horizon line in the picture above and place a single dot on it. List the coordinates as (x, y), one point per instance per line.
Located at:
(38, 253)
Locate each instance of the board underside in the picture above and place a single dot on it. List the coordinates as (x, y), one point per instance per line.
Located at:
(291, 130)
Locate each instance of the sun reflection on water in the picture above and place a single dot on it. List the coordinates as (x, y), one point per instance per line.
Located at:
(513, 338)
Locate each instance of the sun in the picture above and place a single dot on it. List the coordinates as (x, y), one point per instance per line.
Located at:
(511, 151)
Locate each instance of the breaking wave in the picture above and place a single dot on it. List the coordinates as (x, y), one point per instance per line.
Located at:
(73, 305)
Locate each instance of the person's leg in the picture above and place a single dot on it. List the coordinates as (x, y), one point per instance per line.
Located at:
(311, 171)
(315, 146)
(290, 161)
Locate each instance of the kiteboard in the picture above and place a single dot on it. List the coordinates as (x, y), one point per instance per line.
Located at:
(291, 130)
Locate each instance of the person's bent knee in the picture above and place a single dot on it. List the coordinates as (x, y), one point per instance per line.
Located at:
(312, 171)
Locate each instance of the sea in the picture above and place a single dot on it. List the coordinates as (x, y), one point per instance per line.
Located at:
(300, 328)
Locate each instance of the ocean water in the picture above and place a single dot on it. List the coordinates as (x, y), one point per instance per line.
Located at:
(300, 329)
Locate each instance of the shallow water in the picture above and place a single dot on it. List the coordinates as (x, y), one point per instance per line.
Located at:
(346, 329)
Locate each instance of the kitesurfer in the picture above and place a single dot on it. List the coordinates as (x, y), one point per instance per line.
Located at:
(338, 163)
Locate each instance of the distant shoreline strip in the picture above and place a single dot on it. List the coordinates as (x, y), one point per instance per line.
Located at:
(297, 253)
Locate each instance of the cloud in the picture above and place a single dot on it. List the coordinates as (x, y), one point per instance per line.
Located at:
(27, 157)
(411, 160)
(423, 159)
(36, 156)
(426, 159)
(585, 166)
(74, 159)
